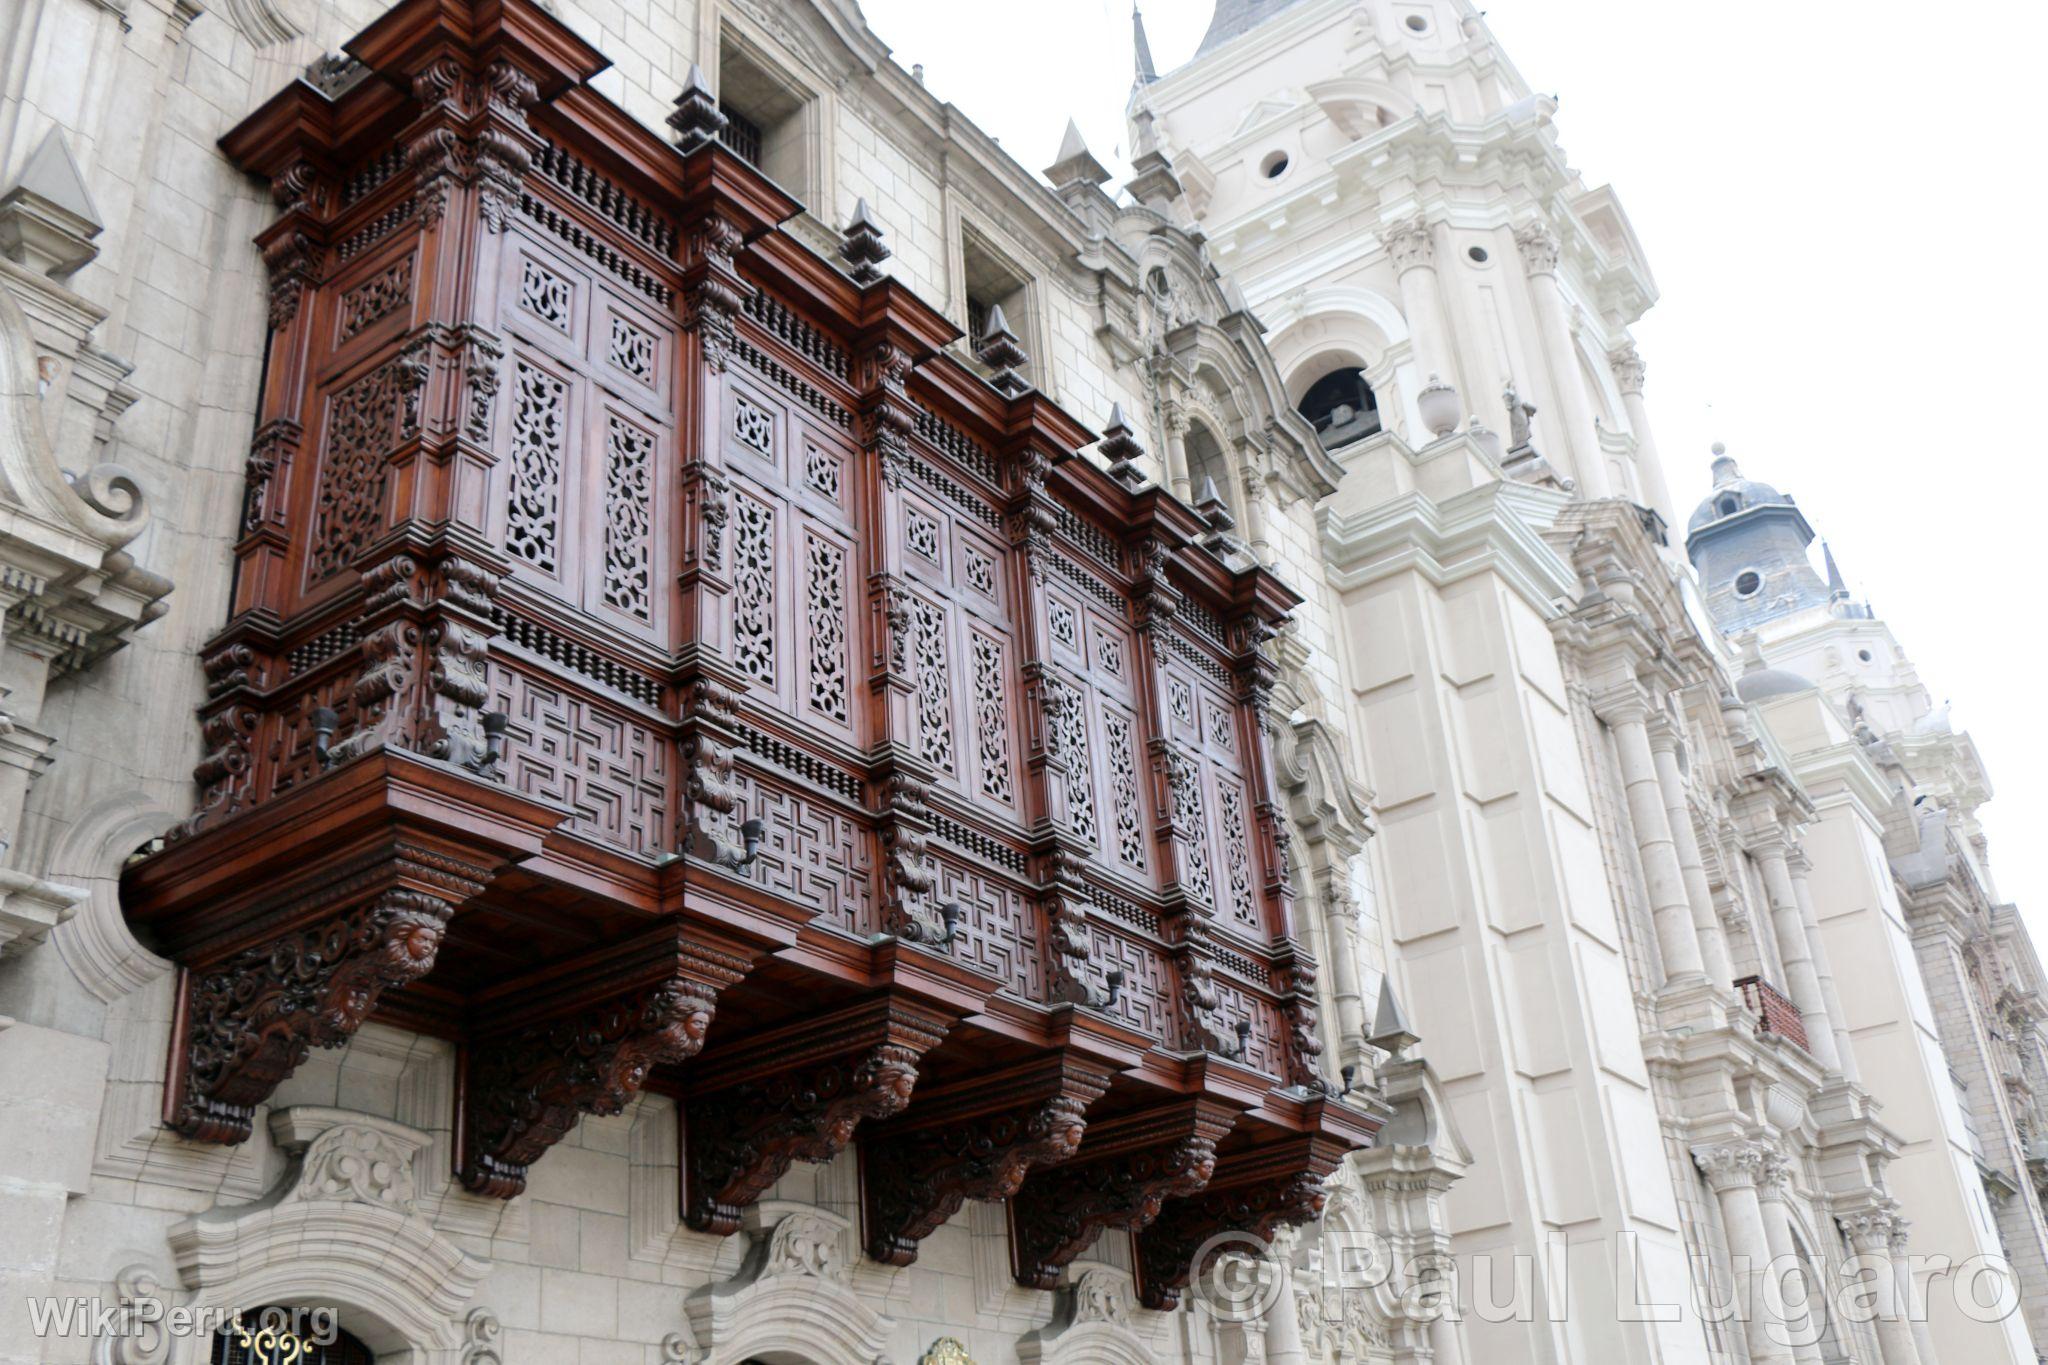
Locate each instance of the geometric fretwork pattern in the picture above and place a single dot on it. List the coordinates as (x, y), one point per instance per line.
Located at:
(1146, 1001)
(810, 853)
(998, 933)
(610, 770)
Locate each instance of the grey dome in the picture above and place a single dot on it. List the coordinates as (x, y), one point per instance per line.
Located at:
(1764, 683)
(1732, 494)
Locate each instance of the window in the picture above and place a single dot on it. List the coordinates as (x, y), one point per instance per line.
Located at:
(742, 136)
(1342, 408)
(770, 118)
(1274, 166)
(1748, 583)
(288, 1336)
(1729, 505)
(989, 280)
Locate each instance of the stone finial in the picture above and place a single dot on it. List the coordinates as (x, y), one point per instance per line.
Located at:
(1075, 164)
(1213, 509)
(1438, 402)
(697, 118)
(1121, 449)
(861, 245)
(1725, 469)
(47, 217)
(1390, 1031)
(997, 348)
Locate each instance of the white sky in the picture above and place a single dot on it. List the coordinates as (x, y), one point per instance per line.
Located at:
(1843, 205)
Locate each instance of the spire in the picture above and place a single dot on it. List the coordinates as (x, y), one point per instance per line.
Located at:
(1147, 73)
(1838, 591)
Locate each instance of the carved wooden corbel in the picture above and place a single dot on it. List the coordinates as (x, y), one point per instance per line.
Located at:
(1253, 1192)
(794, 1094)
(558, 1044)
(1126, 1170)
(974, 1140)
(246, 1023)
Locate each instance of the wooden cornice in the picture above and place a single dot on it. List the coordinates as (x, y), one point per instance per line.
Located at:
(410, 35)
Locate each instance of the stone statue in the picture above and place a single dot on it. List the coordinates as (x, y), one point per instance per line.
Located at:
(1519, 413)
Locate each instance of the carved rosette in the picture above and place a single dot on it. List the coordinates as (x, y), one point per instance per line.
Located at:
(975, 1141)
(251, 1020)
(527, 1090)
(797, 1094)
(1254, 1194)
(1126, 1172)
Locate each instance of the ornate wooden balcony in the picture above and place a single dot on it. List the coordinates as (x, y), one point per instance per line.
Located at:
(1773, 1011)
(654, 661)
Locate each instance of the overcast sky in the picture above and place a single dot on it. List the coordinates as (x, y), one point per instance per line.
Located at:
(1843, 207)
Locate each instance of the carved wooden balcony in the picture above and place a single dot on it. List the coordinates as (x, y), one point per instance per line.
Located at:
(655, 662)
(1773, 1011)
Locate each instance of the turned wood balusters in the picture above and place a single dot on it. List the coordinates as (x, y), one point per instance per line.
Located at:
(660, 660)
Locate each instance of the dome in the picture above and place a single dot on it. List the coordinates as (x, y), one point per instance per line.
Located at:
(1731, 493)
(1764, 683)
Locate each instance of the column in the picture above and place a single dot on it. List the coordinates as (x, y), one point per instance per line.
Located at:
(1802, 983)
(1174, 418)
(1252, 479)
(1413, 249)
(1628, 370)
(1797, 1286)
(1340, 949)
(1870, 1237)
(1553, 318)
(1731, 1171)
(1902, 1286)
(1626, 711)
(1845, 1053)
(1706, 922)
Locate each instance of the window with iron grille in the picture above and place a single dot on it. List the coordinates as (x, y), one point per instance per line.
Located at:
(742, 136)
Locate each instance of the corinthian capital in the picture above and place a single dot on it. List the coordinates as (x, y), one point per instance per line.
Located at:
(1539, 248)
(1730, 1165)
(1409, 243)
(1628, 367)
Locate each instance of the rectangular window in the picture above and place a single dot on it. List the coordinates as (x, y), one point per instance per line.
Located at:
(991, 280)
(771, 118)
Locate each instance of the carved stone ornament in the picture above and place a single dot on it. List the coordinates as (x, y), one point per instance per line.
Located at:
(353, 1161)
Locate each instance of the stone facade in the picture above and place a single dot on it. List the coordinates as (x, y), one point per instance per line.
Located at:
(1676, 878)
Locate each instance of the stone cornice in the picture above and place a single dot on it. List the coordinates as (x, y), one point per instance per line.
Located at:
(1494, 528)
(1843, 775)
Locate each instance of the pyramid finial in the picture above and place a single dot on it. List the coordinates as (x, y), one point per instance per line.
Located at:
(997, 348)
(47, 217)
(697, 118)
(1121, 449)
(861, 245)
(1075, 164)
(1390, 1031)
